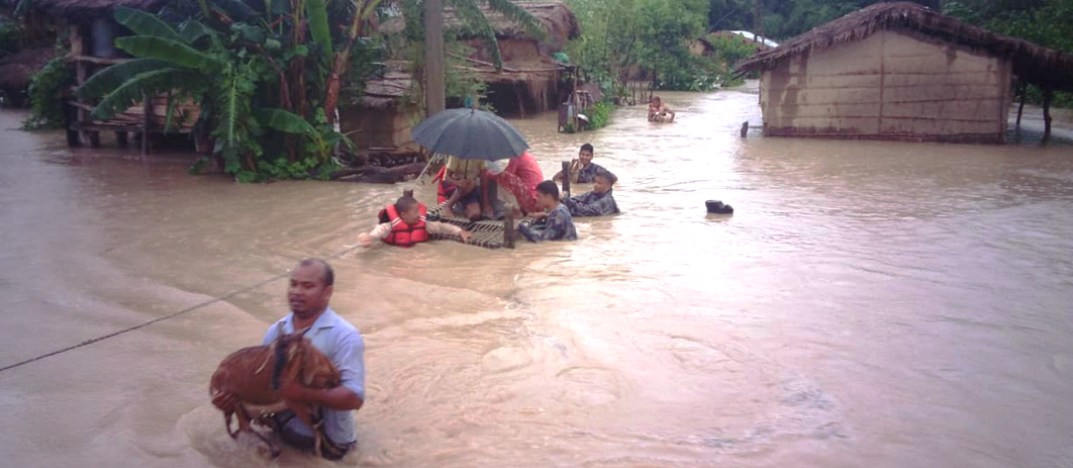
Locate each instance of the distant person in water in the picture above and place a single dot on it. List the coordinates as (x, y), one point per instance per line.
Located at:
(658, 112)
(599, 202)
(403, 224)
(582, 169)
(556, 223)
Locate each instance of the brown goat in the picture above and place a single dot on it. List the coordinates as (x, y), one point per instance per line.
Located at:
(255, 375)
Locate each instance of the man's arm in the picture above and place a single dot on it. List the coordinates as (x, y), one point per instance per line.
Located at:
(554, 229)
(601, 207)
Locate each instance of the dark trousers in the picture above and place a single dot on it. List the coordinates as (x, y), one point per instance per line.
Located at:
(296, 434)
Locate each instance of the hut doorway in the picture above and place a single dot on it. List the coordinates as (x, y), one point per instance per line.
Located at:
(512, 98)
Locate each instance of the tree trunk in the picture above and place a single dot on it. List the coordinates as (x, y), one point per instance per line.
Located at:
(434, 60)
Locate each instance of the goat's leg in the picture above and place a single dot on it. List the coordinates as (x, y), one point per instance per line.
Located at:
(305, 413)
(273, 448)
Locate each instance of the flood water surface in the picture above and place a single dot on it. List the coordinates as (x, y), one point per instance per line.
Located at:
(868, 303)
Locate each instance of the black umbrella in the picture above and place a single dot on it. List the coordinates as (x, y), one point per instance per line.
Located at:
(470, 134)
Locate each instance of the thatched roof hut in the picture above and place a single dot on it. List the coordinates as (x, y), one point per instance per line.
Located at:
(528, 81)
(900, 71)
(1033, 63)
(558, 22)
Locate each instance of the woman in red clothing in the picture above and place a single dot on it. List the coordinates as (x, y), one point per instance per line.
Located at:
(520, 177)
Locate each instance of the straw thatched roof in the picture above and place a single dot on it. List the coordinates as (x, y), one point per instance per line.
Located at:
(17, 69)
(90, 8)
(1033, 63)
(557, 19)
(386, 91)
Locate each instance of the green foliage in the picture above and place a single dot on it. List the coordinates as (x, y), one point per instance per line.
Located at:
(9, 38)
(46, 95)
(599, 114)
(259, 70)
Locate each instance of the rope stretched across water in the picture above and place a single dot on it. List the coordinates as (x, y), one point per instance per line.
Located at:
(487, 234)
(161, 319)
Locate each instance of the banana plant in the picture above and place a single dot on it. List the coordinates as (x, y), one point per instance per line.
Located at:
(228, 69)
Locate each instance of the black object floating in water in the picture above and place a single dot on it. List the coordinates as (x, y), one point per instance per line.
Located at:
(717, 207)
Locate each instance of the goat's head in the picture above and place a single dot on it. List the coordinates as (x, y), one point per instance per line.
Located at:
(289, 349)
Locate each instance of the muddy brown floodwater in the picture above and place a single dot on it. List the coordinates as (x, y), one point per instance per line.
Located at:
(869, 304)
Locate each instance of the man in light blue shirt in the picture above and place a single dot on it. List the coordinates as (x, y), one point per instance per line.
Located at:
(309, 293)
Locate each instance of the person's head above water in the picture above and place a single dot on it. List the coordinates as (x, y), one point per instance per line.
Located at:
(603, 181)
(408, 210)
(585, 155)
(655, 101)
(548, 194)
(310, 288)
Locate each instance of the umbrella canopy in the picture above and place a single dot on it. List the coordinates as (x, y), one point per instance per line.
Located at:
(470, 134)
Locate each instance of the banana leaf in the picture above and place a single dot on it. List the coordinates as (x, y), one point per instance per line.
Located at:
(285, 121)
(317, 12)
(172, 51)
(110, 78)
(145, 24)
(135, 89)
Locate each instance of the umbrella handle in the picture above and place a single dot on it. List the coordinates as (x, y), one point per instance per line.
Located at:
(435, 157)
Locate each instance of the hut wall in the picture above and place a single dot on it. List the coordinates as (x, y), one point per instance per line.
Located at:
(890, 85)
(378, 128)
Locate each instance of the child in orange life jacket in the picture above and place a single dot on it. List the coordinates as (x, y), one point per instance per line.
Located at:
(403, 224)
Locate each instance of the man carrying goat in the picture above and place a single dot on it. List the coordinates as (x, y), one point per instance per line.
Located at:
(309, 293)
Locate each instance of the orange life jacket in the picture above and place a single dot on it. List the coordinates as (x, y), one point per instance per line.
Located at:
(402, 234)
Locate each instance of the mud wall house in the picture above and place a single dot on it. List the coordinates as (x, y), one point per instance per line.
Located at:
(899, 71)
(92, 31)
(529, 80)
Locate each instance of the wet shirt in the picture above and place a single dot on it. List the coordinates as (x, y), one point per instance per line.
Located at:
(527, 169)
(558, 226)
(592, 204)
(587, 174)
(344, 346)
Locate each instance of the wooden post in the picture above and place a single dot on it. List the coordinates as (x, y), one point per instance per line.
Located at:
(576, 101)
(70, 122)
(147, 108)
(508, 228)
(434, 60)
(78, 49)
(744, 129)
(1048, 98)
(566, 179)
(1023, 90)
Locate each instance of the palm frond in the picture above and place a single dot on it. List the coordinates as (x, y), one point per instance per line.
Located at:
(473, 19)
(518, 15)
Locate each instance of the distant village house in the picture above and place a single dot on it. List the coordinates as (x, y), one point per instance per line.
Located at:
(900, 71)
